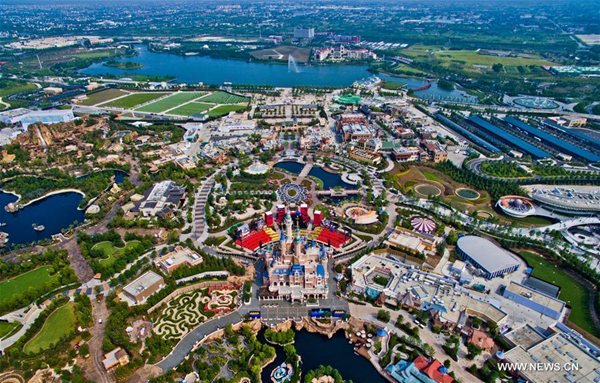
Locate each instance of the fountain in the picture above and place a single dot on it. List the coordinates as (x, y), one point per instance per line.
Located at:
(292, 65)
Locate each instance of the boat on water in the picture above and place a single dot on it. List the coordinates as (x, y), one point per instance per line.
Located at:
(38, 227)
(282, 373)
(3, 238)
(2, 224)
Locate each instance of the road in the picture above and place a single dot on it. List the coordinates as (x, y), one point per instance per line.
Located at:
(94, 369)
(187, 343)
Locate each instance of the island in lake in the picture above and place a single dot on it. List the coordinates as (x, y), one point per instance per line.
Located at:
(126, 65)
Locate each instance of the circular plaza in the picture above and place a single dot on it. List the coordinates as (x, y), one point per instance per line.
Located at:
(292, 193)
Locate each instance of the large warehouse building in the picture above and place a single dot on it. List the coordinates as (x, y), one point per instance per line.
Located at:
(492, 260)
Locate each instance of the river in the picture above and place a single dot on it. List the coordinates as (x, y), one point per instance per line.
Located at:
(316, 350)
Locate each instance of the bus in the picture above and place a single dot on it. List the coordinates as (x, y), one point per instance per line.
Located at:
(339, 313)
(254, 314)
(319, 313)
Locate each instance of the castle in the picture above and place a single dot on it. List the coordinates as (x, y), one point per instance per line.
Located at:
(295, 266)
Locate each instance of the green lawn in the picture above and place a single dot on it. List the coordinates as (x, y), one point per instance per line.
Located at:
(102, 96)
(58, 324)
(6, 328)
(111, 253)
(191, 109)
(9, 289)
(170, 102)
(220, 97)
(431, 176)
(9, 87)
(132, 100)
(571, 291)
(222, 110)
(471, 58)
(392, 85)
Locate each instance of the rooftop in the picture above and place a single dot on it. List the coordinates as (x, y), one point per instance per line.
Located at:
(488, 255)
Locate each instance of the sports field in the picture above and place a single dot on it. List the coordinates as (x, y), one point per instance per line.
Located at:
(12, 288)
(58, 324)
(103, 96)
(191, 108)
(170, 102)
(134, 99)
(224, 98)
(222, 110)
(215, 104)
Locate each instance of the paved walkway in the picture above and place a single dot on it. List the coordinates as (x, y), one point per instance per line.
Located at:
(200, 232)
(305, 170)
(369, 313)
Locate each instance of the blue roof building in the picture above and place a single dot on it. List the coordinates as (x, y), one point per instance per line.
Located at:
(553, 141)
(509, 138)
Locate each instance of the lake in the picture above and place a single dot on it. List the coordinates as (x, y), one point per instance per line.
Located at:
(215, 71)
(55, 212)
(316, 350)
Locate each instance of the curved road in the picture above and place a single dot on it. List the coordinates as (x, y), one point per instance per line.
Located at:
(187, 343)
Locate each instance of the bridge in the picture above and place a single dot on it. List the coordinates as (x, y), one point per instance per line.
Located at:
(338, 193)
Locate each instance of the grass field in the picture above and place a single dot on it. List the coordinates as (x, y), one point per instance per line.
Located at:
(571, 291)
(134, 99)
(58, 324)
(170, 102)
(111, 253)
(191, 109)
(222, 110)
(102, 96)
(393, 85)
(9, 289)
(10, 87)
(223, 98)
(7, 328)
(431, 176)
(471, 59)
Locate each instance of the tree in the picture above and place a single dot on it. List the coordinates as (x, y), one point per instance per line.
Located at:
(383, 315)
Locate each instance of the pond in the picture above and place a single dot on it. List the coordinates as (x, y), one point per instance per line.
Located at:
(433, 92)
(55, 212)
(291, 166)
(467, 193)
(330, 180)
(427, 190)
(316, 350)
(215, 71)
